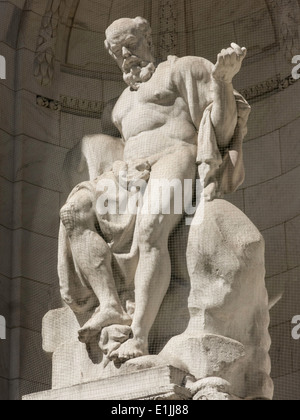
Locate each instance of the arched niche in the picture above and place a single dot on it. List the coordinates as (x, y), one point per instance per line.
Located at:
(73, 33)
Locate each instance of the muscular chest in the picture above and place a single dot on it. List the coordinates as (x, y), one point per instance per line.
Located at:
(146, 109)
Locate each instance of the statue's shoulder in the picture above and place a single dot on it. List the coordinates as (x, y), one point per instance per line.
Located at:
(198, 66)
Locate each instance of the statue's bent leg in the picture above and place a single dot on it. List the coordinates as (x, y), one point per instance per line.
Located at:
(74, 292)
(154, 228)
(92, 259)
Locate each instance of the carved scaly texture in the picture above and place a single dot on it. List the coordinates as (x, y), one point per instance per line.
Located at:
(46, 44)
(286, 19)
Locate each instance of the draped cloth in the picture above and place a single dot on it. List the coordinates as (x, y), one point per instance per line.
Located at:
(193, 78)
(228, 163)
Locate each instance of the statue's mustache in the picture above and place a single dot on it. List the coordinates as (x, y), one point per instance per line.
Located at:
(133, 61)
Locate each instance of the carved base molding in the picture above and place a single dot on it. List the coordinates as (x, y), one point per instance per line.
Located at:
(162, 383)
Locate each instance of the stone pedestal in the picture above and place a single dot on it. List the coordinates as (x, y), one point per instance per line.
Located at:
(222, 354)
(81, 372)
(162, 383)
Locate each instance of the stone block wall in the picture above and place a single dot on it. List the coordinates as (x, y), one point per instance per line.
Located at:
(272, 202)
(10, 13)
(30, 200)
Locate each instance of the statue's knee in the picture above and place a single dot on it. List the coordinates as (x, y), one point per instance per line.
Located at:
(77, 214)
(67, 216)
(81, 306)
(78, 211)
(151, 235)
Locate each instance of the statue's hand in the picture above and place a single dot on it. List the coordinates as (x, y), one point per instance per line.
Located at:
(229, 63)
(211, 192)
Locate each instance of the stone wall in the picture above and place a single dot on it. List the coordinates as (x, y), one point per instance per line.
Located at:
(271, 200)
(29, 230)
(7, 45)
(55, 91)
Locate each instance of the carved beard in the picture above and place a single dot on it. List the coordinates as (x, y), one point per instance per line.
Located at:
(136, 72)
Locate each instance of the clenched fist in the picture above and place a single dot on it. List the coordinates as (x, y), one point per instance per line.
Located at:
(229, 63)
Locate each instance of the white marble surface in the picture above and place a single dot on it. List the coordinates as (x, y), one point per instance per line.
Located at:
(144, 115)
(45, 127)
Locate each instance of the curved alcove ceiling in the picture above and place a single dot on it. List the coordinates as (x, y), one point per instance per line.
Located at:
(269, 29)
(185, 27)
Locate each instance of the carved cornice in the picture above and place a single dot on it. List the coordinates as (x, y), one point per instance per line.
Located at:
(94, 109)
(81, 107)
(47, 39)
(269, 87)
(75, 106)
(48, 103)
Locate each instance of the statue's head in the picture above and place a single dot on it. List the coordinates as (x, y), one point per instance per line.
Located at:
(129, 42)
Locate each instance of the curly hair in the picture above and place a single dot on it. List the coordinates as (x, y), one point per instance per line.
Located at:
(141, 24)
(144, 27)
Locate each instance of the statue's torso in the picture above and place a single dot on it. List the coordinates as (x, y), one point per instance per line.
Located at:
(153, 118)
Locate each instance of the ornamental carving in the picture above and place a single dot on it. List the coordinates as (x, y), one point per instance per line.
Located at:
(286, 19)
(46, 43)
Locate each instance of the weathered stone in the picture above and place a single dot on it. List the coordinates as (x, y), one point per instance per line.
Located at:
(154, 384)
(226, 264)
(119, 272)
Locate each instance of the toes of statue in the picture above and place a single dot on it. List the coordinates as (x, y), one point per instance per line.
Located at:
(112, 337)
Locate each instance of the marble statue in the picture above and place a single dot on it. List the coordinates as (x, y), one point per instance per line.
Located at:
(178, 120)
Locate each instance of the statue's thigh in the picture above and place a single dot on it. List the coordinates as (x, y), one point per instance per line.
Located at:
(163, 199)
(166, 186)
(179, 164)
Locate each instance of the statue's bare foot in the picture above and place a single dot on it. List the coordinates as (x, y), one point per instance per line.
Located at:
(131, 349)
(101, 319)
(113, 337)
